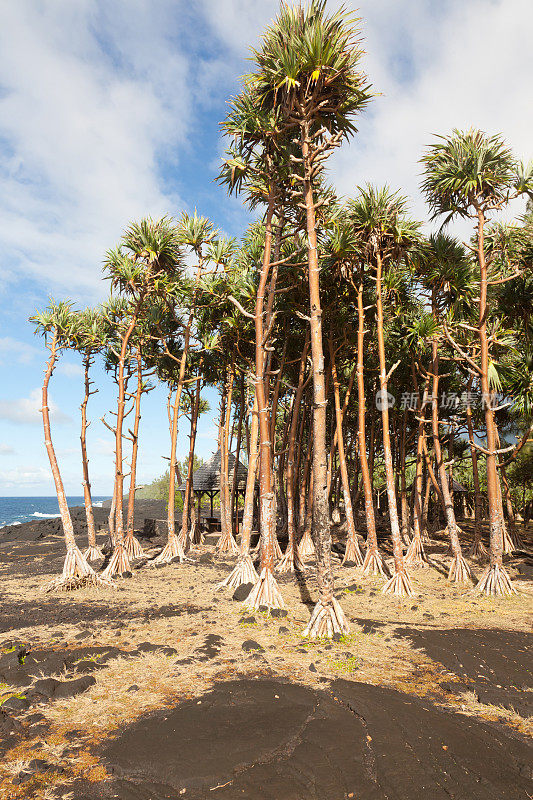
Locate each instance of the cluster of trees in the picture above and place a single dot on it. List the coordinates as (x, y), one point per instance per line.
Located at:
(353, 352)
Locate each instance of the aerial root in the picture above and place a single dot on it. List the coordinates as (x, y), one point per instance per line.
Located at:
(416, 555)
(479, 551)
(353, 552)
(76, 573)
(265, 593)
(459, 571)
(226, 543)
(243, 572)
(93, 553)
(326, 620)
(291, 561)
(495, 581)
(278, 553)
(516, 539)
(374, 564)
(133, 547)
(171, 550)
(399, 585)
(119, 563)
(196, 535)
(306, 548)
(508, 544)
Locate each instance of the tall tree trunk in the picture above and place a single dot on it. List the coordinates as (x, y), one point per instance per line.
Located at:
(459, 570)
(478, 549)
(495, 579)
(132, 545)
(265, 591)
(416, 555)
(93, 551)
(291, 559)
(226, 541)
(404, 505)
(328, 617)
(75, 569)
(234, 507)
(400, 583)
(195, 410)
(352, 552)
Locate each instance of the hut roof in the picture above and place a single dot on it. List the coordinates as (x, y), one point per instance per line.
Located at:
(207, 477)
(455, 486)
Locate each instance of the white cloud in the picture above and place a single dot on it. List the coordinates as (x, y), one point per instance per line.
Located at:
(24, 476)
(13, 350)
(104, 447)
(70, 369)
(91, 93)
(26, 410)
(6, 450)
(437, 67)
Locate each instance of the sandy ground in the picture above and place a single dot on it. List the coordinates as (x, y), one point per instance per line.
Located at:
(463, 654)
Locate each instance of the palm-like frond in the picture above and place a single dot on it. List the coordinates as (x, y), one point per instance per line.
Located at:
(465, 169)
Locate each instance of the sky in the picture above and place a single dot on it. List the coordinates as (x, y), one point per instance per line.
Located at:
(110, 111)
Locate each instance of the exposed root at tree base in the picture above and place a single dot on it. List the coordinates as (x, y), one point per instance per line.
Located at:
(508, 545)
(76, 573)
(119, 563)
(227, 544)
(133, 547)
(327, 620)
(353, 552)
(416, 555)
(278, 552)
(478, 551)
(459, 571)
(171, 550)
(306, 548)
(291, 561)
(495, 581)
(374, 564)
(265, 593)
(196, 535)
(243, 572)
(399, 585)
(93, 553)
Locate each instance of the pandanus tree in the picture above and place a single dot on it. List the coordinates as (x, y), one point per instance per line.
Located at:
(442, 268)
(347, 258)
(148, 256)
(473, 175)
(308, 69)
(252, 166)
(88, 338)
(386, 234)
(55, 324)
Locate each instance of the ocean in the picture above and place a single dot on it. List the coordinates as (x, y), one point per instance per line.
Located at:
(16, 510)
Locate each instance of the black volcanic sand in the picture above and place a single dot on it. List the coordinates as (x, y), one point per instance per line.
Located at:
(496, 664)
(268, 740)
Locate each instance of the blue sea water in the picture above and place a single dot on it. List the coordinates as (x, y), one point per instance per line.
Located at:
(16, 510)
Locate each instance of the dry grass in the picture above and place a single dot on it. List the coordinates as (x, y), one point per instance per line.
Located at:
(372, 653)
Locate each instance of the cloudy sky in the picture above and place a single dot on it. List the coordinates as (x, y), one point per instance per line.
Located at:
(109, 110)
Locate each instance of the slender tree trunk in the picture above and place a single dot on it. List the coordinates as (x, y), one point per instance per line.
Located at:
(404, 505)
(335, 435)
(353, 552)
(495, 580)
(265, 591)
(75, 569)
(234, 483)
(133, 547)
(478, 549)
(92, 551)
(459, 569)
(190, 464)
(328, 617)
(400, 583)
(416, 555)
(226, 541)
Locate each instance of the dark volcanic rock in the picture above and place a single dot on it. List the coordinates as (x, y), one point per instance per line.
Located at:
(210, 648)
(251, 644)
(495, 663)
(268, 740)
(242, 591)
(72, 688)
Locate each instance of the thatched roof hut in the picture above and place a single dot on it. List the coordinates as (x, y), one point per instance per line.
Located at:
(207, 477)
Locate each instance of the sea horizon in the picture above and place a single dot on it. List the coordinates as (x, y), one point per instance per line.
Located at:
(18, 509)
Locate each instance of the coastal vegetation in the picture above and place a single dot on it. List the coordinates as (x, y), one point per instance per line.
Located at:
(376, 378)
